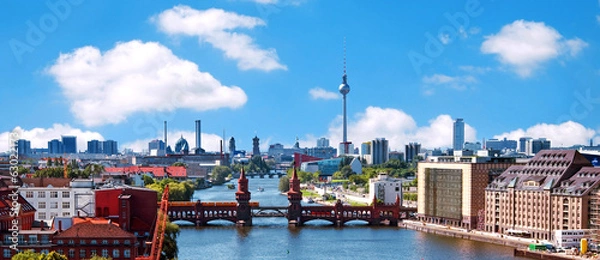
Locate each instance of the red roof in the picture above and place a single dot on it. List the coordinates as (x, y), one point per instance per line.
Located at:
(90, 229)
(157, 171)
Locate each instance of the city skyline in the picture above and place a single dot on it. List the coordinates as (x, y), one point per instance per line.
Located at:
(409, 83)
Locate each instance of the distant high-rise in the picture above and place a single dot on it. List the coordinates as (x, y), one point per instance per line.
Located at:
(156, 147)
(55, 147)
(255, 146)
(94, 147)
(231, 146)
(458, 135)
(322, 142)
(525, 145)
(23, 147)
(109, 147)
(539, 144)
(70, 144)
(379, 150)
(412, 151)
(472, 146)
(495, 144)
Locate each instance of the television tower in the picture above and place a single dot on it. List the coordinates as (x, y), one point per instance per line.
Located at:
(344, 90)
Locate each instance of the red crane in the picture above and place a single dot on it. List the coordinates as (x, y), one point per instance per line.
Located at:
(159, 229)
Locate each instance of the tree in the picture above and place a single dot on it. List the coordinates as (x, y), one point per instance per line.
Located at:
(179, 164)
(147, 180)
(219, 174)
(284, 184)
(178, 191)
(28, 255)
(170, 249)
(347, 171)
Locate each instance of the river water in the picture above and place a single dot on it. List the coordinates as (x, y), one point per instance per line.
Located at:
(271, 238)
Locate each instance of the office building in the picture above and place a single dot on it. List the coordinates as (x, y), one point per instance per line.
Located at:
(539, 144)
(499, 145)
(23, 147)
(156, 148)
(94, 147)
(412, 151)
(69, 144)
(75, 199)
(109, 147)
(385, 188)
(365, 152)
(472, 146)
(379, 150)
(55, 147)
(323, 142)
(458, 135)
(453, 193)
(525, 145)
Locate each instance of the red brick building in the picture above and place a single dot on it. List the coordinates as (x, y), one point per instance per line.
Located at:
(95, 237)
(133, 209)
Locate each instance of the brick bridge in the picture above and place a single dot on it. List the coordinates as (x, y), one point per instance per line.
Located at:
(242, 211)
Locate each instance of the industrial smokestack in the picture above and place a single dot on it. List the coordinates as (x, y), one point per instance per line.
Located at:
(165, 135)
(221, 144)
(198, 137)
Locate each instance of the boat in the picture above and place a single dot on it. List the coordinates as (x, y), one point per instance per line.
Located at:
(308, 200)
(261, 189)
(231, 186)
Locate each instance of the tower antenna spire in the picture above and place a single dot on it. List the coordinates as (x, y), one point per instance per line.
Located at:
(344, 55)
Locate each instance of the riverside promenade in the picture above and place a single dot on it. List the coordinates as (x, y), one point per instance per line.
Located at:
(519, 244)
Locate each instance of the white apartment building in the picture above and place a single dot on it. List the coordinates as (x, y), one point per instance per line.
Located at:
(51, 202)
(385, 188)
(571, 238)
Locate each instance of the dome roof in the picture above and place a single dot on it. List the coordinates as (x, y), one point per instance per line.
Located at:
(181, 145)
(344, 87)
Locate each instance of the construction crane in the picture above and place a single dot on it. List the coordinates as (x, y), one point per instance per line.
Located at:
(159, 229)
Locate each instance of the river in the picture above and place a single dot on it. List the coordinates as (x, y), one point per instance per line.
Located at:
(271, 238)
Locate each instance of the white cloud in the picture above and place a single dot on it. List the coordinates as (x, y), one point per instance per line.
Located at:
(525, 45)
(39, 137)
(457, 82)
(444, 38)
(216, 26)
(562, 135)
(397, 127)
(210, 142)
(319, 93)
(136, 77)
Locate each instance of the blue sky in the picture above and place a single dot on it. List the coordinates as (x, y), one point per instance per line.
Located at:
(271, 68)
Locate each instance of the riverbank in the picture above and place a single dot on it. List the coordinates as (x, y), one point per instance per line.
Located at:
(519, 244)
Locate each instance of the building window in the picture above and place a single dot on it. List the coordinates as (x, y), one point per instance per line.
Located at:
(115, 253)
(115, 242)
(32, 239)
(41, 205)
(105, 242)
(127, 242)
(66, 214)
(66, 194)
(41, 215)
(29, 194)
(126, 253)
(66, 204)
(53, 204)
(60, 251)
(59, 242)
(45, 239)
(94, 242)
(54, 194)
(82, 242)
(41, 194)
(104, 252)
(71, 253)
(71, 242)
(82, 253)
(7, 254)
(92, 252)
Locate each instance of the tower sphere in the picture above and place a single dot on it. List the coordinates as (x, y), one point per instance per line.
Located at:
(344, 88)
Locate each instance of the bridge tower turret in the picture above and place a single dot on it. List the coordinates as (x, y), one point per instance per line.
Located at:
(244, 212)
(294, 197)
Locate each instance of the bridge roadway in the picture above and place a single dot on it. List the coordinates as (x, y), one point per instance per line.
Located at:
(200, 213)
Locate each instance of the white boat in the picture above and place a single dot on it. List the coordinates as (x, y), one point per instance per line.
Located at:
(261, 189)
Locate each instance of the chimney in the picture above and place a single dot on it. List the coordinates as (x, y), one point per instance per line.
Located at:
(221, 149)
(60, 226)
(198, 137)
(165, 135)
